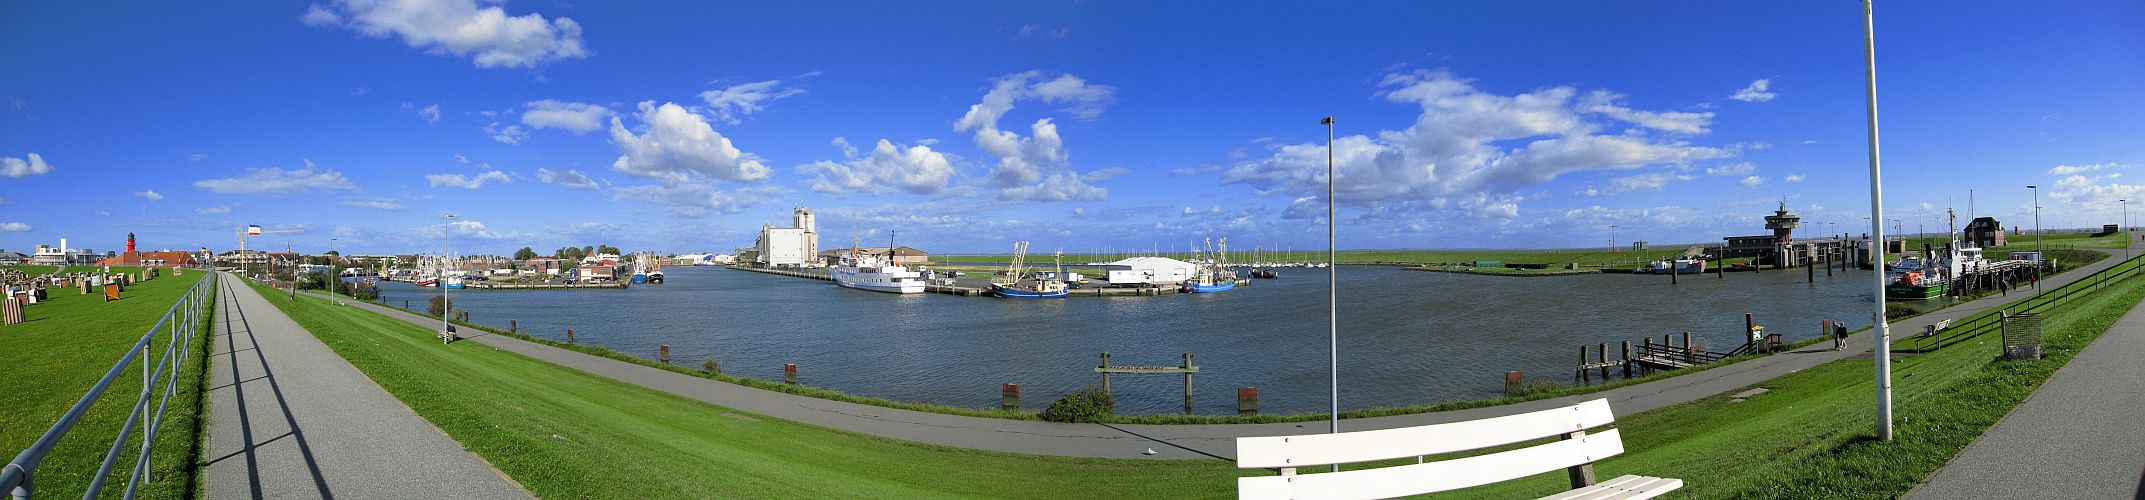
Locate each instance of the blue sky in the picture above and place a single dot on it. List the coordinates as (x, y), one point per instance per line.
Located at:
(1081, 126)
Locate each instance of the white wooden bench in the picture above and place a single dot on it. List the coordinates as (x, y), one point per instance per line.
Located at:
(1576, 452)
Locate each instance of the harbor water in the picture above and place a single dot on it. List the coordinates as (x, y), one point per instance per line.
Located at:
(1406, 337)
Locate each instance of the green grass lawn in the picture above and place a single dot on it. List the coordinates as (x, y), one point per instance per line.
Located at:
(69, 343)
(566, 433)
(2025, 242)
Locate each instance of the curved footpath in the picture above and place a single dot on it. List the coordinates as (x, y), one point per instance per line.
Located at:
(288, 418)
(1214, 441)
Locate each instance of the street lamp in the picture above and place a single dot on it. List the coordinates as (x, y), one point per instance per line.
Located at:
(446, 309)
(1882, 330)
(2126, 228)
(2039, 257)
(1333, 301)
(1612, 237)
(329, 281)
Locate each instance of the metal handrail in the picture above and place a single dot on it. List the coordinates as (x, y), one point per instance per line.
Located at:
(183, 318)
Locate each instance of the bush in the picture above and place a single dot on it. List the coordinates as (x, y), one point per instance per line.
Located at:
(1893, 312)
(710, 366)
(1086, 405)
(312, 281)
(438, 306)
(361, 292)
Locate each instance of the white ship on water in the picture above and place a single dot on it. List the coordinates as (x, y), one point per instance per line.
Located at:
(869, 272)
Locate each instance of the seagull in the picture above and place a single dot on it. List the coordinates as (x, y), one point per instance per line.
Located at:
(1150, 451)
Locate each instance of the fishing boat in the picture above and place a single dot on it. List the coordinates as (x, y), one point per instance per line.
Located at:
(427, 282)
(1215, 276)
(655, 276)
(1019, 283)
(1931, 276)
(868, 272)
(454, 283)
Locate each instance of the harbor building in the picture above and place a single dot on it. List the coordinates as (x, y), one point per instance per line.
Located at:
(1985, 232)
(1148, 270)
(47, 255)
(1780, 249)
(796, 246)
(902, 255)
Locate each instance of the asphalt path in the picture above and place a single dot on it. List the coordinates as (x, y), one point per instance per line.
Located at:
(287, 418)
(1209, 442)
(2079, 436)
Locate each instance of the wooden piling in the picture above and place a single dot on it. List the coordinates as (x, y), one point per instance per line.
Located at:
(1582, 364)
(1105, 375)
(1512, 382)
(569, 336)
(1673, 272)
(513, 326)
(1247, 401)
(664, 351)
(1686, 340)
(1187, 383)
(1009, 397)
(789, 373)
(1811, 269)
(1627, 359)
(1601, 357)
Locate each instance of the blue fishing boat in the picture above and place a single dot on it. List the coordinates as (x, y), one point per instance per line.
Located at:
(1215, 275)
(1225, 285)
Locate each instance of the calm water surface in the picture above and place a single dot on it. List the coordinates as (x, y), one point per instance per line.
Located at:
(1406, 337)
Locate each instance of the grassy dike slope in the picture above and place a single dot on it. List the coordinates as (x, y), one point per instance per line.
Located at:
(566, 433)
(68, 343)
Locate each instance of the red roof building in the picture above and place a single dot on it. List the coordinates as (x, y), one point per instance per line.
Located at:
(151, 259)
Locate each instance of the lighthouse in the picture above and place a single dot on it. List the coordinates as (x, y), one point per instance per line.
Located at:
(130, 242)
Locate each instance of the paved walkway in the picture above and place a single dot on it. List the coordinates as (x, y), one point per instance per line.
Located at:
(299, 422)
(2080, 436)
(1184, 441)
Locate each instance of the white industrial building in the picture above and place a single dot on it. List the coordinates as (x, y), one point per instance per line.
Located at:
(1149, 270)
(789, 246)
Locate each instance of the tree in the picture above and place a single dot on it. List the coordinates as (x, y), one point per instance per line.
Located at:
(609, 250)
(337, 253)
(525, 253)
(438, 305)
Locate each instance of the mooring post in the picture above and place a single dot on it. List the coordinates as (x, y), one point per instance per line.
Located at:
(569, 336)
(513, 326)
(1722, 271)
(1627, 359)
(664, 351)
(1582, 364)
(1247, 401)
(1811, 269)
(1009, 397)
(1105, 374)
(789, 373)
(1601, 358)
(1673, 272)
(1686, 341)
(1187, 383)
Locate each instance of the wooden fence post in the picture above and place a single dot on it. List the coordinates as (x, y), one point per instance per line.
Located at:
(1009, 395)
(789, 373)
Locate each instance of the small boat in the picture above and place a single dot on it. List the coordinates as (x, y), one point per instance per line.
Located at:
(655, 276)
(1680, 266)
(427, 282)
(1264, 273)
(455, 283)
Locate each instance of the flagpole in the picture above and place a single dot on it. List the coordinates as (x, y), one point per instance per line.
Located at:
(1883, 332)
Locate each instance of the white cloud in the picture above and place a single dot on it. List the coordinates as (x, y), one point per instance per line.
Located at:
(430, 113)
(1751, 181)
(916, 169)
(689, 199)
(1744, 168)
(467, 182)
(1467, 141)
(1792, 178)
(196, 157)
(476, 230)
(19, 168)
(375, 203)
(1035, 31)
(13, 227)
(510, 134)
(276, 180)
(1035, 167)
(2079, 169)
(150, 195)
(1610, 104)
(459, 28)
(213, 210)
(571, 179)
(677, 145)
(735, 102)
(1758, 91)
(1651, 181)
(1105, 173)
(577, 117)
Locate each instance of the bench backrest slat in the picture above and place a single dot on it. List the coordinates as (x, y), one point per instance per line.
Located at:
(1364, 446)
(1437, 476)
